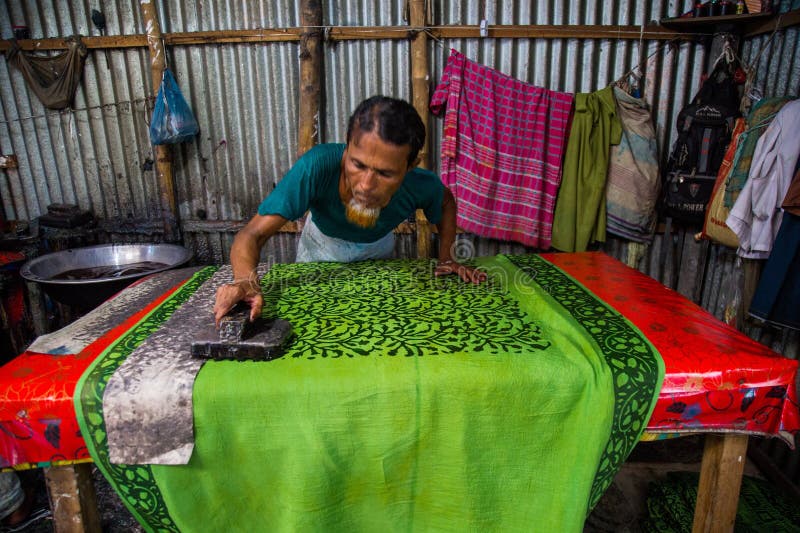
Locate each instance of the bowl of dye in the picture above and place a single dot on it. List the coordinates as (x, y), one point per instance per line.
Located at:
(86, 277)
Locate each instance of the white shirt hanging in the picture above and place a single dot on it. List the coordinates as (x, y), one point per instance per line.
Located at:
(756, 215)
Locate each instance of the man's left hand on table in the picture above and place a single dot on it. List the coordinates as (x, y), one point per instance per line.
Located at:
(466, 273)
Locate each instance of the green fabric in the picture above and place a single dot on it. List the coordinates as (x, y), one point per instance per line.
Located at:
(134, 484)
(313, 184)
(758, 120)
(671, 502)
(407, 403)
(580, 215)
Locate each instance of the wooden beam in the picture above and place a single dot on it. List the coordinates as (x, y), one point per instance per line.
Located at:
(784, 20)
(162, 152)
(559, 31)
(72, 498)
(420, 78)
(347, 33)
(720, 480)
(275, 35)
(174, 39)
(310, 74)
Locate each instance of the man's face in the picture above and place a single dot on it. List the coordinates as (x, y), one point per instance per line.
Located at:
(372, 171)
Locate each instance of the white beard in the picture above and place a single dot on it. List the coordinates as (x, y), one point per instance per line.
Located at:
(363, 217)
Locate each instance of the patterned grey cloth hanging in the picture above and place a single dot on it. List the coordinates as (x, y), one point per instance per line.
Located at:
(53, 78)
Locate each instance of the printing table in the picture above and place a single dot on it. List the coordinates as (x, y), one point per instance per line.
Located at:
(717, 381)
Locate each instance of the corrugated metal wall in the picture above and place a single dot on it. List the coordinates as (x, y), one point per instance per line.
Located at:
(579, 65)
(245, 98)
(98, 155)
(777, 60)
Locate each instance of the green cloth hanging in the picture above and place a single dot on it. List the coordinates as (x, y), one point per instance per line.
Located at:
(580, 216)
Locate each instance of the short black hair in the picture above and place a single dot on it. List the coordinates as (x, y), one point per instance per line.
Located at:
(394, 121)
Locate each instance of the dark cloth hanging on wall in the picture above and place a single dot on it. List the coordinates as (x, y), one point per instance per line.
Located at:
(778, 293)
(791, 202)
(52, 78)
(775, 299)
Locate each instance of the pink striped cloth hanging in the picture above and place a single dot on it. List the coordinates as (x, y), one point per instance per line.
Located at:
(502, 147)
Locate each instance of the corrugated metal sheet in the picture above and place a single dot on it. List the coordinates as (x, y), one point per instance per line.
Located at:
(99, 156)
(355, 70)
(776, 62)
(245, 97)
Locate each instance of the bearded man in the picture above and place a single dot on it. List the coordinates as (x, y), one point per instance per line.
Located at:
(356, 194)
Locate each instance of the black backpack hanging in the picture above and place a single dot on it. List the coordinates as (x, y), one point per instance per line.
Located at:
(704, 132)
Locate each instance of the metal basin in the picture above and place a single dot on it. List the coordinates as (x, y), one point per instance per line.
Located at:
(86, 277)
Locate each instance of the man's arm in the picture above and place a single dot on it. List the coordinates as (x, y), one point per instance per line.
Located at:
(245, 253)
(447, 239)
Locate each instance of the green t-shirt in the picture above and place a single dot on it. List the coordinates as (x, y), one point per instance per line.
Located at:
(312, 184)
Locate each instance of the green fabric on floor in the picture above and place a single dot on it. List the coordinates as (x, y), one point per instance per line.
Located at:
(407, 403)
(762, 507)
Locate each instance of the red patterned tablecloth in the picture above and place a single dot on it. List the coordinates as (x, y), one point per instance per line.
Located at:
(717, 379)
(37, 416)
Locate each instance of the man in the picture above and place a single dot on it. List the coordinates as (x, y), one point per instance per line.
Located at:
(357, 193)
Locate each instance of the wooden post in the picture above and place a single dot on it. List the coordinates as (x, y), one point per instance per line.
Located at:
(38, 308)
(72, 498)
(720, 479)
(310, 69)
(162, 153)
(419, 92)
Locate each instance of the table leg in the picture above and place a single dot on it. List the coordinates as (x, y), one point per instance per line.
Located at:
(720, 479)
(72, 498)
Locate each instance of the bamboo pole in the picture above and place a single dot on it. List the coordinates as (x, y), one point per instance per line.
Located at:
(310, 68)
(162, 153)
(419, 96)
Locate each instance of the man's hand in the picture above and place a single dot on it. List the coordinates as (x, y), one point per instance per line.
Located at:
(229, 294)
(244, 258)
(468, 274)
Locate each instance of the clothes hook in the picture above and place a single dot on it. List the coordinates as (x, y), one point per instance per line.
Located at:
(484, 25)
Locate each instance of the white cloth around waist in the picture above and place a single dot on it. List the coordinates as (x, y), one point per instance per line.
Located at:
(316, 246)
